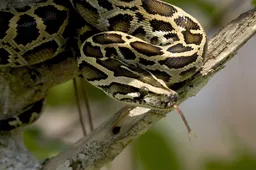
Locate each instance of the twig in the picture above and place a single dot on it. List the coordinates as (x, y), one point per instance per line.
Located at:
(81, 117)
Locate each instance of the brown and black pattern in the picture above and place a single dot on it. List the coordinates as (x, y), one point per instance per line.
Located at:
(189, 72)
(118, 88)
(127, 0)
(154, 40)
(120, 22)
(29, 41)
(146, 62)
(131, 72)
(92, 51)
(179, 48)
(127, 53)
(5, 18)
(91, 73)
(105, 4)
(27, 30)
(66, 4)
(4, 56)
(139, 32)
(87, 11)
(52, 18)
(84, 35)
(172, 36)
(146, 49)
(157, 7)
(140, 16)
(158, 25)
(116, 67)
(190, 38)
(179, 62)
(110, 52)
(23, 9)
(160, 75)
(125, 8)
(187, 23)
(42, 52)
(105, 38)
(30, 114)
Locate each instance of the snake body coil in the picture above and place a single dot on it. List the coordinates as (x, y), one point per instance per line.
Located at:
(134, 50)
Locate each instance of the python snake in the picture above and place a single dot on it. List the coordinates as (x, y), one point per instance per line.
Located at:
(133, 50)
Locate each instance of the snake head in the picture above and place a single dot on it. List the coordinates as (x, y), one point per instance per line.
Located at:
(129, 84)
(145, 97)
(157, 100)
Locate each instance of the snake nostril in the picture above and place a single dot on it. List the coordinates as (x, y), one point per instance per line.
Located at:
(172, 98)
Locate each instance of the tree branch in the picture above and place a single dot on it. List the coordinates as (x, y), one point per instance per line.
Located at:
(25, 85)
(107, 141)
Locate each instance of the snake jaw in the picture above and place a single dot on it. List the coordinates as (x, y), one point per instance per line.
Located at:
(160, 101)
(144, 97)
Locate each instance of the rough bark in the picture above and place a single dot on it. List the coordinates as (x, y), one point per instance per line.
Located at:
(23, 86)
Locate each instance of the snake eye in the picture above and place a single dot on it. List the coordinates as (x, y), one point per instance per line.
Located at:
(143, 91)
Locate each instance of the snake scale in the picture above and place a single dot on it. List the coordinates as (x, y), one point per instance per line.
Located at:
(133, 50)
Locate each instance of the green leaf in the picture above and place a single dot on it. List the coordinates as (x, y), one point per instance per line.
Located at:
(155, 152)
(61, 94)
(40, 146)
(64, 93)
(254, 2)
(242, 161)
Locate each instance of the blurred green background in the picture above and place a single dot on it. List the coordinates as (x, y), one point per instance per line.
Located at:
(222, 115)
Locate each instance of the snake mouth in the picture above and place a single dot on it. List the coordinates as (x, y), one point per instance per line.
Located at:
(162, 102)
(153, 101)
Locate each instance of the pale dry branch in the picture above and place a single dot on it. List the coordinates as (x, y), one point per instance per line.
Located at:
(23, 86)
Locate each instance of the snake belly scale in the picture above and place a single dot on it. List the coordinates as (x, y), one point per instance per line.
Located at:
(133, 50)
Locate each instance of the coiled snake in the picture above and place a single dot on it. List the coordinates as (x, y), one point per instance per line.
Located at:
(134, 50)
